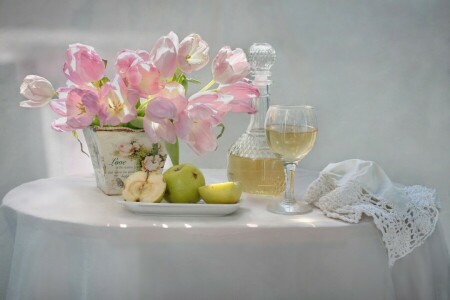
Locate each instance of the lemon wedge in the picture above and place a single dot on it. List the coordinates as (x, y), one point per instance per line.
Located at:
(221, 193)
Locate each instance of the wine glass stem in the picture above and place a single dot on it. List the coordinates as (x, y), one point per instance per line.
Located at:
(289, 195)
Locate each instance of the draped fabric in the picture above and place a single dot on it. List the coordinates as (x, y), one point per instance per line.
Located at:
(64, 239)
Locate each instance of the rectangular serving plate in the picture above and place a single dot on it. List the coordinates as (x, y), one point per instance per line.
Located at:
(180, 209)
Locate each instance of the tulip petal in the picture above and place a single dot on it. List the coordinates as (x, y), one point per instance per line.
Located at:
(83, 64)
(166, 131)
(37, 89)
(150, 131)
(201, 111)
(159, 109)
(32, 104)
(237, 97)
(239, 90)
(61, 125)
(164, 56)
(230, 66)
(117, 103)
(183, 125)
(82, 106)
(202, 138)
(145, 78)
(193, 53)
(59, 107)
(203, 97)
(125, 58)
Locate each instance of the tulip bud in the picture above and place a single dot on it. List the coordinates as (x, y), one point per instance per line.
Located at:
(192, 53)
(38, 90)
(83, 64)
(230, 66)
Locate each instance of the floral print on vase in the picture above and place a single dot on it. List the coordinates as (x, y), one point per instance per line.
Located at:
(116, 153)
(153, 162)
(147, 159)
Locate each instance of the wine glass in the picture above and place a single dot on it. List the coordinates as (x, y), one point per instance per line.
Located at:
(291, 132)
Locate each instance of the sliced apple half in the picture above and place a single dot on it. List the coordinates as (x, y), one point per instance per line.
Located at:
(221, 193)
(144, 187)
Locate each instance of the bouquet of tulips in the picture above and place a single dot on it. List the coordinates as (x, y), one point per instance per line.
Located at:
(148, 91)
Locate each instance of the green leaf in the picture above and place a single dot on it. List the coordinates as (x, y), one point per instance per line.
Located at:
(185, 84)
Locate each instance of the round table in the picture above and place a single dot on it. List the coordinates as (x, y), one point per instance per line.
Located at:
(62, 238)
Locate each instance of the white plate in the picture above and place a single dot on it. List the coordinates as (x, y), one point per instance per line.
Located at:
(180, 209)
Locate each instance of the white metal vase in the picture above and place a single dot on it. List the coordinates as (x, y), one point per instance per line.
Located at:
(117, 152)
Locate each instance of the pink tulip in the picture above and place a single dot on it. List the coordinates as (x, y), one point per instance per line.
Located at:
(160, 109)
(237, 97)
(195, 124)
(175, 93)
(206, 110)
(192, 53)
(162, 119)
(126, 58)
(164, 115)
(230, 66)
(160, 131)
(201, 137)
(117, 103)
(59, 105)
(204, 105)
(82, 107)
(38, 90)
(164, 54)
(61, 125)
(144, 77)
(172, 90)
(83, 64)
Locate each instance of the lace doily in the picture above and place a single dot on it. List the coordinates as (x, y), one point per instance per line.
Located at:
(404, 221)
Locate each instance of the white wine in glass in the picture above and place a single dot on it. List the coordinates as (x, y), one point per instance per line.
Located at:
(291, 133)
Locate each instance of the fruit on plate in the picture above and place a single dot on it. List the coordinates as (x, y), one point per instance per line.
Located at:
(144, 187)
(221, 193)
(183, 182)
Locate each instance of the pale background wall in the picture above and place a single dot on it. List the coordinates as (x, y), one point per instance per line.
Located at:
(377, 71)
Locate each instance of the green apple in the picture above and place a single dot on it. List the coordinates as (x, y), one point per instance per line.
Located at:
(221, 193)
(182, 183)
(144, 187)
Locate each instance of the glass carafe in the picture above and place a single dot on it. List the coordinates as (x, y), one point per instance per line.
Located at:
(250, 160)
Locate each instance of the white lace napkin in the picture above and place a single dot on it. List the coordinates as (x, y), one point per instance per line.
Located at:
(406, 216)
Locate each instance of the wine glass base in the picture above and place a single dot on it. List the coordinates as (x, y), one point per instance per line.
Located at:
(298, 208)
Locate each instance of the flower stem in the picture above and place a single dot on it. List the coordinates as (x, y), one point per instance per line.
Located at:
(174, 152)
(75, 135)
(206, 87)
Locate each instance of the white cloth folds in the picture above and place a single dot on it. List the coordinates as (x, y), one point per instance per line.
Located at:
(406, 216)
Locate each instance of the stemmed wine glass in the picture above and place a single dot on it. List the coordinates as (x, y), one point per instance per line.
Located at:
(291, 132)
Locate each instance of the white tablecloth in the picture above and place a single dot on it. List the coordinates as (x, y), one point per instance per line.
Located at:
(61, 238)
